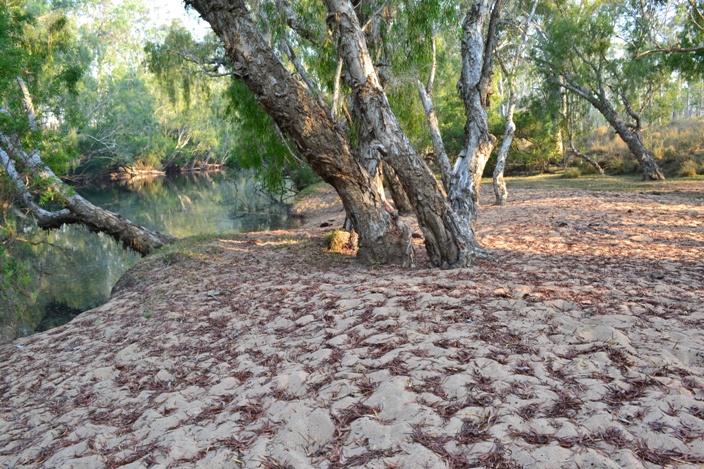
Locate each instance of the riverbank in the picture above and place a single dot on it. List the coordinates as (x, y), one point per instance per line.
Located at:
(578, 344)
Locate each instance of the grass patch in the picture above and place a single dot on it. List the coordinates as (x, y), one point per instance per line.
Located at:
(311, 191)
(337, 241)
(602, 183)
(571, 173)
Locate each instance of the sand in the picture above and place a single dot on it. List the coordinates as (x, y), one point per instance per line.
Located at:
(580, 343)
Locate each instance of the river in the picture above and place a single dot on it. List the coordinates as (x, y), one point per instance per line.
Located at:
(74, 270)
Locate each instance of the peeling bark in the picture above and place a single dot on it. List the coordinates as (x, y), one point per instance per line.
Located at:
(393, 183)
(500, 189)
(426, 98)
(475, 90)
(447, 240)
(383, 238)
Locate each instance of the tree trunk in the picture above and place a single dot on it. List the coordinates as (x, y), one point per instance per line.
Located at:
(650, 169)
(383, 238)
(426, 98)
(475, 90)
(628, 133)
(447, 240)
(76, 208)
(393, 183)
(441, 159)
(500, 190)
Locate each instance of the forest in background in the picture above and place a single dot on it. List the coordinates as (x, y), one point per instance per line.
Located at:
(114, 92)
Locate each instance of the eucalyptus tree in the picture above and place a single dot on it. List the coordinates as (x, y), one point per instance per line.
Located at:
(39, 43)
(475, 87)
(675, 29)
(581, 49)
(510, 68)
(253, 45)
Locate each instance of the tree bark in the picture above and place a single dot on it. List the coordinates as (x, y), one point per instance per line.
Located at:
(500, 189)
(440, 157)
(628, 133)
(448, 241)
(475, 90)
(76, 209)
(383, 238)
(393, 183)
(426, 98)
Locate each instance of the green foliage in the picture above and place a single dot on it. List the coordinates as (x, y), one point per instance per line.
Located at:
(259, 145)
(690, 35)
(571, 173)
(534, 147)
(15, 282)
(688, 169)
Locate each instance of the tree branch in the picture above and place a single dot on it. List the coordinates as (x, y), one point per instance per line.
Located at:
(485, 90)
(336, 91)
(293, 22)
(634, 116)
(286, 46)
(29, 106)
(671, 50)
(379, 10)
(43, 217)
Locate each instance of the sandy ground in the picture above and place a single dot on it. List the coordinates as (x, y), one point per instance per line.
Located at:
(580, 344)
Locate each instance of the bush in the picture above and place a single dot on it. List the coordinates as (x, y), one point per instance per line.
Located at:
(688, 169)
(620, 165)
(571, 173)
(588, 170)
(337, 241)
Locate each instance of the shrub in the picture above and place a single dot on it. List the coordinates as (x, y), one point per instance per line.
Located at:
(688, 169)
(620, 165)
(571, 173)
(337, 241)
(588, 170)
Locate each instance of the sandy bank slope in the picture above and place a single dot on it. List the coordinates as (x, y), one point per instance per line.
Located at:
(583, 346)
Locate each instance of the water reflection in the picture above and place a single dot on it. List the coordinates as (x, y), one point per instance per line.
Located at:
(75, 270)
(186, 205)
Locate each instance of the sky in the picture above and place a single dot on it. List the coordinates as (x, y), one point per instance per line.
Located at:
(163, 12)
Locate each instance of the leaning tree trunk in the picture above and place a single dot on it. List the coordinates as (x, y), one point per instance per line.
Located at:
(628, 133)
(650, 169)
(475, 90)
(584, 157)
(500, 190)
(393, 183)
(383, 238)
(426, 98)
(448, 241)
(76, 208)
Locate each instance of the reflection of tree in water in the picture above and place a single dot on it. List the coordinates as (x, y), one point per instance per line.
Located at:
(190, 204)
(75, 270)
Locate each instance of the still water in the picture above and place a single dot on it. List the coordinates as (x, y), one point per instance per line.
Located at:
(75, 269)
